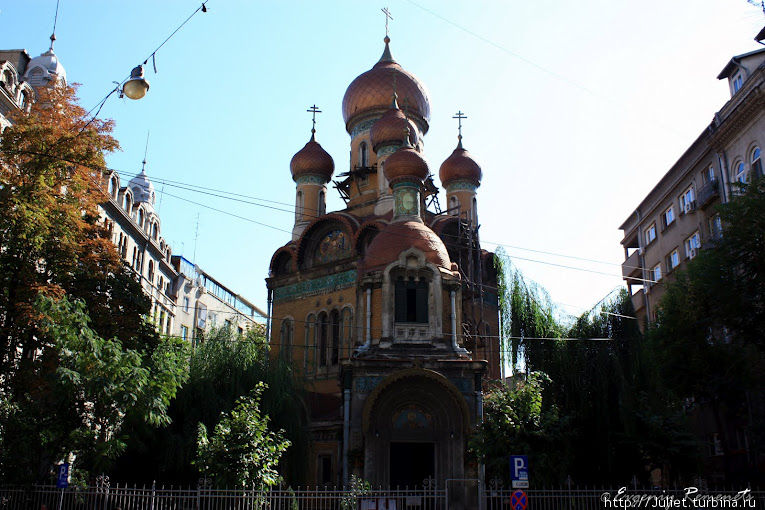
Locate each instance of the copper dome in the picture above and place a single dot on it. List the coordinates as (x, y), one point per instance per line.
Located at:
(400, 236)
(371, 91)
(405, 162)
(460, 166)
(392, 128)
(312, 160)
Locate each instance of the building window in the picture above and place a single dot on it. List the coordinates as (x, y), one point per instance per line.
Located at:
(186, 303)
(673, 260)
(285, 339)
(738, 81)
(113, 188)
(128, 203)
(324, 473)
(347, 331)
(310, 338)
(299, 206)
(688, 200)
(322, 203)
(155, 230)
(321, 333)
(411, 300)
(739, 173)
(668, 217)
(23, 100)
(363, 155)
(715, 226)
(334, 321)
(140, 217)
(650, 234)
(151, 272)
(692, 245)
(756, 163)
(454, 205)
(708, 175)
(184, 333)
(656, 273)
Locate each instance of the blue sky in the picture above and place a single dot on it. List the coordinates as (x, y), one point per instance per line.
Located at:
(575, 109)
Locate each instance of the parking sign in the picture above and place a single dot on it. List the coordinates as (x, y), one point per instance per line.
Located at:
(519, 471)
(62, 480)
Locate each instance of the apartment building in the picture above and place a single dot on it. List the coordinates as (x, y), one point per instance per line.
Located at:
(678, 217)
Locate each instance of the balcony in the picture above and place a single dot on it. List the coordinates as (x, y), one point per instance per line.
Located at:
(631, 268)
(709, 192)
(638, 300)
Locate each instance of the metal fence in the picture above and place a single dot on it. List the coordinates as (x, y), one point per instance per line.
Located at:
(451, 497)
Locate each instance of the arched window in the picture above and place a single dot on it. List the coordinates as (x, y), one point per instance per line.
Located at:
(347, 332)
(128, 203)
(140, 218)
(756, 163)
(113, 188)
(23, 100)
(334, 321)
(155, 230)
(475, 210)
(322, 202)
(285, 340)
(411, 300)
(310, 338)
(454, 205)
(363, 155)
(299, 206)
(151, 272)
(739, 173)
(322, 330)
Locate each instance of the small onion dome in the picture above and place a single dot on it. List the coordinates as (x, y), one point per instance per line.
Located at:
(460, 166)
(312, 160)
(405, 163)
(45, 69)
(391, 128)
(371, 91)
(400, 236)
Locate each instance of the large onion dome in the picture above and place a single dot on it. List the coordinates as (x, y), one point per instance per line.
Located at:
(392, 127)
(312, 160)
(400, 236)
(371, 91)
(405, 163)
(460, 166)
(45, 69)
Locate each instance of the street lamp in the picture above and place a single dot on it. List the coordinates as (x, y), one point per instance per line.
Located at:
(137, 86)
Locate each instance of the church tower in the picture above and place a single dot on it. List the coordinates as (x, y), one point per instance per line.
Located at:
(461, 176)
(387, 308)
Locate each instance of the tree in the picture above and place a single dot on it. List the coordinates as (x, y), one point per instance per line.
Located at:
(710, 321)
(242, 452)
(223, 367)
(72, 315)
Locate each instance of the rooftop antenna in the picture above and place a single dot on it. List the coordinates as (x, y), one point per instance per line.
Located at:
(459, 116)
(313, 110)
(55, 20)
(145, 152)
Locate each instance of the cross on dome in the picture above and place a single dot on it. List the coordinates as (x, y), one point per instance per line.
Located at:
(459, 116)
(313, 110)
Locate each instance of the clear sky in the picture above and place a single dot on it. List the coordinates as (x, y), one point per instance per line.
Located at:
(575, 109)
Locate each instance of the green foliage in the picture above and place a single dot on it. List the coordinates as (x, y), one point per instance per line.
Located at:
(518, 419)
(241, 452)
(222, 368)
(357, 487)
(708, 333)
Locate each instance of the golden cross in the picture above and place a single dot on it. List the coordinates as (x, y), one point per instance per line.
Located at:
(387, 17)
(313, 110)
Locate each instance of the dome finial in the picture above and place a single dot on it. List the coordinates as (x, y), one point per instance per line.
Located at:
(459, 116)
(313, 110)
(386, 56)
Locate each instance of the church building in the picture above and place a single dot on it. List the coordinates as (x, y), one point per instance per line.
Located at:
(388, 308)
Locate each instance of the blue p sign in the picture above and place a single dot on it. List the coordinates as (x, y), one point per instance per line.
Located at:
(519, 471)
(62, 480)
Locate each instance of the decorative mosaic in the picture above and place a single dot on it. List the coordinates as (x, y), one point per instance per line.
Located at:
(363, 126)
(311, 179)
(322, 285)
(411, 418)
(366, 383)
(333, 246)
(461, 185)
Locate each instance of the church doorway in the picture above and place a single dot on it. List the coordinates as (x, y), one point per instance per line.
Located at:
(411, 463)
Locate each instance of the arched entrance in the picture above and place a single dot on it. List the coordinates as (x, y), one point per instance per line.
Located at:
(415, 426)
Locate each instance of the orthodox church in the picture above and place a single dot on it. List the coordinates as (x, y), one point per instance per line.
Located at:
(388, 308)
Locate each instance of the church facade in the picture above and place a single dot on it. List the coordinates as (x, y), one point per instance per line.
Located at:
(388, 308)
